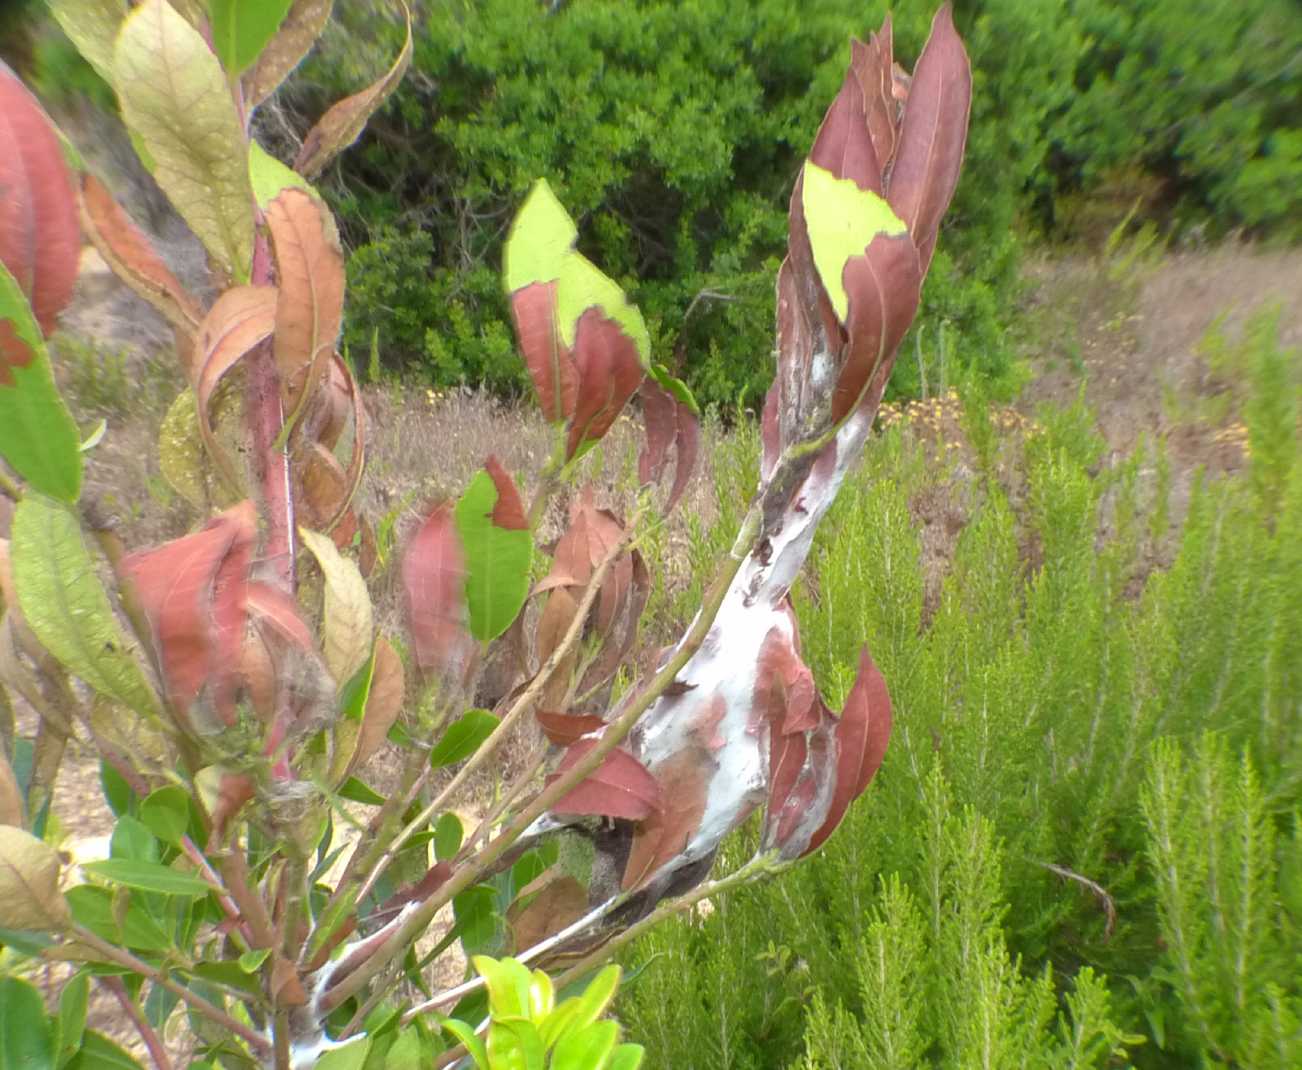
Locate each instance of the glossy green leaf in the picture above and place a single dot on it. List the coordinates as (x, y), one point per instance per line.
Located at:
(70, 1025)
(132, 840)
(29, 882)
(447, 837)
(91, 25)
(38, 437)
(100, 1053)
(842, 220)
(508, 986)
(626, 1057)
(463, 738)
(241, 28)
(26, 1041)
(175, 98)
(586, 1048)
(497, 559)
(355, 790)
(166, 813)
(230, 974)
(65, 605)
(542, 995)
(93, 907)
(148, 877)
(465, 1034)
(515, 1046)
(408, 1052)
(251, 961)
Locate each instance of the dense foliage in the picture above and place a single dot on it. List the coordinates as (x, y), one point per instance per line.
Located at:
(675, 129)
(1085, 835)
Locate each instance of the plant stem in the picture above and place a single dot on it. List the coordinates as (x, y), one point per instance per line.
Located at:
(196, 1002)
(157, 1051)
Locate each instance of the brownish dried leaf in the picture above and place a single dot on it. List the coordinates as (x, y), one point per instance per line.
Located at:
(298, 32)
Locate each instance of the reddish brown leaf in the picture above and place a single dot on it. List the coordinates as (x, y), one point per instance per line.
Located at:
(873, 65)
(591, 535)
(843, 145)
(785, 695)
(321, 486)
(566, 729)
(233, 791)
(286, 986)
(884, 287)
(619, 787)
(383, 704)
(508, 510)
(550, 364)
(301, 27)
(341, 125)
(357, 462)
(194, 591)
(770, 434)
(544, 907)
(240, 319)
(684, 787)
(668, 422)
(558, 614)
(862, 735)
(310, 273)
(609, 369)
(933, 133)
(131, 255)
(433, 578)
(39, 240)
(273, 607)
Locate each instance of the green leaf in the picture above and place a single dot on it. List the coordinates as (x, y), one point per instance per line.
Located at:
(148, 877)
(675, 386)
(70, 1025)
(465, 1034)
(93, 907)
(91, 25)
(117, 792)
(463, 737)
(583, 286)
(100, 1053)
(166, 813)
(540, 240)
(25, 1040)
(64, 604)
(597, 996)
(447, 837)
(478, 924)
(251, 961)
(355, 790)
(230, 974)
(270, 177)
(346, 615)
(497, 560)
(587, 1048)
(407, 1052)
(132, 840)
(29, 882)
(38, 436)
(842, 220)
(175, 98)
(515, 1046)
(508, 984)
(626, 1057)
(241, 28)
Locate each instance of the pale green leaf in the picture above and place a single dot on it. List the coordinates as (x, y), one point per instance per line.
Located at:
(181, 456)
(100, 1053)
(515, 1045)
(347, 613)
(148, 877)
(65, 605)
(70, 1025)
(497, 560)
(842, 220)
(586, 1048)
(540, 240)
(91, 25)
(350, 1055)
(38, 437)
(175, 97)
(241, 28)
(583, 286)
(270, 177)
(465, 1034)
(25, 1035)
(29, 882)
(626, 1057)
(166, 813)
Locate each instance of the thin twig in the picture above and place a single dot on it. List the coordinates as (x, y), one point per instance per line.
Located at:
(157, 1051)
(1100, 893)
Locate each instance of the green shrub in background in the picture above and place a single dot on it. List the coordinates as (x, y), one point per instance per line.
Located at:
(1057, 859)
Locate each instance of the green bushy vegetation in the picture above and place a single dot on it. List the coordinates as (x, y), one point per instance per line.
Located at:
(1083, 847)
(674, 129)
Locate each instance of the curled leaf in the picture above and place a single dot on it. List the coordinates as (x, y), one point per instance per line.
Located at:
(299, 29)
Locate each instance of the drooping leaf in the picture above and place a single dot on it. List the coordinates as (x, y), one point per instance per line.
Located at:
(299, 29)
(38, 437)
(347, 612)
(463, 738)
(194, 591)
(341, 125)
(39, 243)
(933, 133)
(310, 273)
(842, 220)
(65, 605)
(26, 1042)
(566, 729)
(133, 258)
(610, 369)
(684, 781)
(544, 907)
(862, 734)
(29, 882)
(497, 546)
(181, 451)
(175, 98)
(619, 787)
(239, 319)
(241, 28)
(91, 25)
(433, 575)
(670, 421)
(148, 877)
